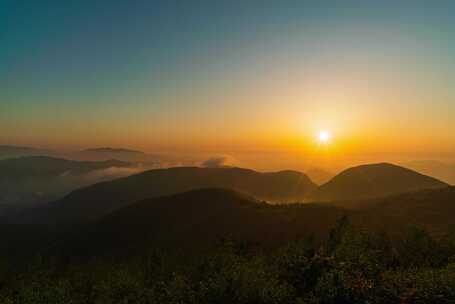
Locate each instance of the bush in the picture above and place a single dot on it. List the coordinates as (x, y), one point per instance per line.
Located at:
(351, 267)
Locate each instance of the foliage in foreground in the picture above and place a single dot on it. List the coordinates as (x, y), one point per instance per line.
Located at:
(351, 267)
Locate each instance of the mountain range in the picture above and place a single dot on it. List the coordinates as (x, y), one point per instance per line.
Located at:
(192, 207)
(46, 167)
(97, 200)
(7, 151)
(358, 183)
(99, 154)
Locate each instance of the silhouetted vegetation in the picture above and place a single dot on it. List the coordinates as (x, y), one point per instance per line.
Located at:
(351, 266)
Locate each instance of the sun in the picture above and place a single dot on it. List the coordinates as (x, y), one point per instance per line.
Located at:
(324, 137)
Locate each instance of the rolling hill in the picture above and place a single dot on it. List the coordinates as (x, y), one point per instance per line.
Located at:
(97, 200)
(430, 208)
(374, 180)
(197, 219)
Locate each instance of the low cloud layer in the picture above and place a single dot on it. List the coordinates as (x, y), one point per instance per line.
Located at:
(69, 181)
(113, 172)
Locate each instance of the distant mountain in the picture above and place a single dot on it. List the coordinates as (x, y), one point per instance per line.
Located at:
(319, 176)
(97, 200)
(16, 151)
(112, 153)
(26, 181)
(374, 180)
(438, 169)
(44, 167)
(113, 150)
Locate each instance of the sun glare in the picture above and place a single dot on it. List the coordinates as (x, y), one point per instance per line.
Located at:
(324, 137)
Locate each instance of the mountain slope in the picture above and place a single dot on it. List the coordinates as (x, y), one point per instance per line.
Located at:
(374, 180)
(197, 219)
(432, 208)
(97, 200)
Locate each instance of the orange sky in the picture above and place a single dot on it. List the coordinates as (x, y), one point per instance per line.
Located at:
(258, 85)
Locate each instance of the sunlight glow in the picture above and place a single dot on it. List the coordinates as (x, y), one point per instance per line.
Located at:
(324, 137)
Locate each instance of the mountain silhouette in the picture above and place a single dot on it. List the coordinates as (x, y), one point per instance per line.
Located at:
(197, 219)
(16, 151)
(111, 153)
(373, 180)
(97, 200)
(45, 167)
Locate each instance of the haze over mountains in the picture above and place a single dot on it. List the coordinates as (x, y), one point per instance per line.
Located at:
(112, 153)
(7, 151)
(27, 181)
(319, 176)
(44, 166)
(91, 154)
(439, 169)
(192, 207)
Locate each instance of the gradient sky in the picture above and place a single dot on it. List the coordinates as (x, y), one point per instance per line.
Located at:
(231, 76)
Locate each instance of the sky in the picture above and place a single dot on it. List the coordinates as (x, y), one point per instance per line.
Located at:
(257, 80)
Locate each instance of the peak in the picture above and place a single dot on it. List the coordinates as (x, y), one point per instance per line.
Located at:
(374, 180)
(375, 165)
(377, 168)
(382, 170)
